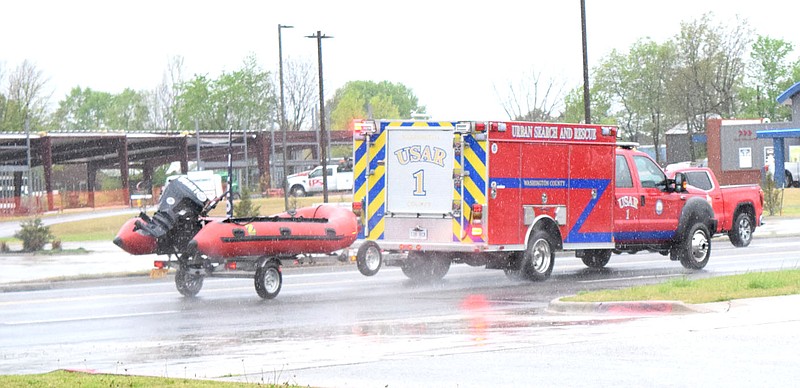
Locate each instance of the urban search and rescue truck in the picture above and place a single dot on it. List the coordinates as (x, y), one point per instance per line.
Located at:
(508, 195)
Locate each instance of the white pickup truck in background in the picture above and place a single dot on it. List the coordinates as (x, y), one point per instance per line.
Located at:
(340, 178)
(792, 173)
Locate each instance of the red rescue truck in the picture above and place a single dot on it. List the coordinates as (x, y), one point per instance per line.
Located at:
(508, 195)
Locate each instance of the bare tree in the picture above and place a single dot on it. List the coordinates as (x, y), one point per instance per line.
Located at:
(300, 92)
(163, 100)
(533, 98)
(26, 99)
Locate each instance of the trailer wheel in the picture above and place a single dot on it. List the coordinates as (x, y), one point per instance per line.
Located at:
(742, 231)
(188, 283)
(537, 263)
(369, 258)
(596, 258)
(422, 267)
(695, 249)
(268, 278)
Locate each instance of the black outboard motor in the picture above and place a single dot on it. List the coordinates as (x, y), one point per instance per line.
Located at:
(181, 205)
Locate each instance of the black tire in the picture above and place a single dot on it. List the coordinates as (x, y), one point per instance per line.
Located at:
(512, 270)
(268, 279)
(789, 181)
(596, 258)
(694, 249)
(540, 255)
(298, 191)
(421, 267)
(369, 258)
(188, 283)
(741, 234)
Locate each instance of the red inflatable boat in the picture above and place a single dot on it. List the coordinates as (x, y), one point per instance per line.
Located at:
(316, 229)
(199, 246)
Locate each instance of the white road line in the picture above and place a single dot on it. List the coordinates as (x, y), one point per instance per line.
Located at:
(88, 318)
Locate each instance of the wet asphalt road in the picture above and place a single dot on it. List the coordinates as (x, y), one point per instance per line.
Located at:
(333, 327)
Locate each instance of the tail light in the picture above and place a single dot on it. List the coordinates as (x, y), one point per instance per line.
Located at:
(477, 213)
(358, 208)
(159, 264)
(477, 219)
(231, 266)
(480, 127)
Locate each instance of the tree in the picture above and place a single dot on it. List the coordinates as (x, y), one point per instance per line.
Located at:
(614, 77)
(83, 109)
(574, 111)
(26, 98)
(768, 74)
(162, 102)
(301, 94)
(243, 99)
(128, 111)
(368, 99)
(533, 98)
(710, 71)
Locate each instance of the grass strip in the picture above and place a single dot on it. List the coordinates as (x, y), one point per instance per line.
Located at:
(63, 378)
(716, 289)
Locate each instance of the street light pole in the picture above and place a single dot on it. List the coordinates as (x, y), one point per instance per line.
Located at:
(323, 134)
(586, 101)
(283, 118)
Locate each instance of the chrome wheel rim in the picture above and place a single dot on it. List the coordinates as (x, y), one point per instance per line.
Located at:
(541, 256)
(271, 280)
(745, 232)
(699, 245)
(372, 258)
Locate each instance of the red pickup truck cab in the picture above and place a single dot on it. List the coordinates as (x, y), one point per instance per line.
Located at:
(738, 209)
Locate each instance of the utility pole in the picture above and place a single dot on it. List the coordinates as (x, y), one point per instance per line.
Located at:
(323, 138)
(586, 100)
(283, 120)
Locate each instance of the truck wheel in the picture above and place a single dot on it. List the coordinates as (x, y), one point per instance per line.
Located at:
(742, 231)
(298, 191)
(695, 249)
(268, 279)
(512, 270)
(537, 263)
(187, 283)
(368, 258)
(789, 181)
(596, 258)
(425, 268)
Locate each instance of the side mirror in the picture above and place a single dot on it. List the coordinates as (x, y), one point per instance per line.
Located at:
(680, 182)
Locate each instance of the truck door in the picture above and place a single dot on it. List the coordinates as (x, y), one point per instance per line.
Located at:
(505, 208)
(419, 183)
(659, 211)
(626, 216)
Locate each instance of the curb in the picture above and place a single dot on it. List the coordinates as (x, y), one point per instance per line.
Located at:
(652, 307)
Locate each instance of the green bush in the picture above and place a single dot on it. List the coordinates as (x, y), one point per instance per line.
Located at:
(772, 200)
(34, 234)
(245, 208)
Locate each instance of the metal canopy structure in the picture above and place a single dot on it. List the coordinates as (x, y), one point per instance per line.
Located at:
(778, 136)
(788, 97)
(143, 150)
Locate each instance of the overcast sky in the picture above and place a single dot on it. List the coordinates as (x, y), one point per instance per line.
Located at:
(452, 54)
